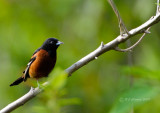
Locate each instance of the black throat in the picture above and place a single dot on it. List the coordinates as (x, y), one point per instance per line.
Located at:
(52, 53)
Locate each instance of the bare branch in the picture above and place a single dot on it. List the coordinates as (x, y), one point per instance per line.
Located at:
(85, 60)
(111, 45)
(21, 101)
(134, 45)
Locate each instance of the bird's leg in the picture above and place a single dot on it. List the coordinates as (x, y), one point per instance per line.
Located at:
(38, 84)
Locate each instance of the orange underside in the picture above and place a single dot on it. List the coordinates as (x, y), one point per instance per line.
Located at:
(42, 65)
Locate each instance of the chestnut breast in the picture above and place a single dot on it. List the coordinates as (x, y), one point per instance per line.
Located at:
(42, 65)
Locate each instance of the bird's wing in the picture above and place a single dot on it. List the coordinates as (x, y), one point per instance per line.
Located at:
(26, 72)
(33, 58)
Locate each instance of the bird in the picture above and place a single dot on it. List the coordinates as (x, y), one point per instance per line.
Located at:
(42, 61)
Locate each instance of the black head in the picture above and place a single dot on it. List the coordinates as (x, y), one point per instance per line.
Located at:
(51, 44)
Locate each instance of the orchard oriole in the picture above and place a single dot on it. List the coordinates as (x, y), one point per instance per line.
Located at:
(42, 61)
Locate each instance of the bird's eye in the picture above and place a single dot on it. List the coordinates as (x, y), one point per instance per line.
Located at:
(51, 42)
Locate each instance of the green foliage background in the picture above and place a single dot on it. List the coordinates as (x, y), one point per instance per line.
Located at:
(102, 86)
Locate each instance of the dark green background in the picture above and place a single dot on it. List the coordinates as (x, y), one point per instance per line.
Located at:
(103, 85)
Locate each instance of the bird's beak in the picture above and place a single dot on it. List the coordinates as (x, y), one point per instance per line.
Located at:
(59, 43)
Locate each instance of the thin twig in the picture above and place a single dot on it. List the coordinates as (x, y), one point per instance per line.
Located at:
(134, 45)
(122, 26)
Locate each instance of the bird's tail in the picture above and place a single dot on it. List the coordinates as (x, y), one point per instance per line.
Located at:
(18, 81)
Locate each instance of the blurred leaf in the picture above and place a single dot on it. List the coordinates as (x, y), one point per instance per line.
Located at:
(52, 100)
(69, 101)
(141, 72)
(57, 80)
